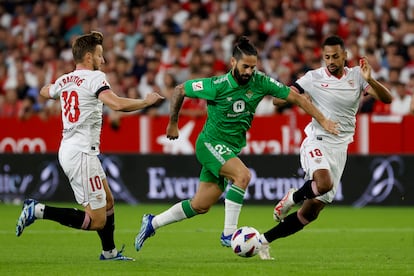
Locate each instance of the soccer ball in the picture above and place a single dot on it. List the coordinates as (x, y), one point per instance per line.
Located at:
(246, 242)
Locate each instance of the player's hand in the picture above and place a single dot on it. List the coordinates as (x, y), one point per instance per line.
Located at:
(172, 131)
(365, 68)
(331, 126)
(152, 98)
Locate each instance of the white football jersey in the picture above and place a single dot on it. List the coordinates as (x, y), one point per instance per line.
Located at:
(81, 108)
(337, 99)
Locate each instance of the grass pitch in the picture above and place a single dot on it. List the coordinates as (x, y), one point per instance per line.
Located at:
(343, 241)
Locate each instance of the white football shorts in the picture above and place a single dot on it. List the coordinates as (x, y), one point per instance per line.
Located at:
(85, 175)
(317, 154)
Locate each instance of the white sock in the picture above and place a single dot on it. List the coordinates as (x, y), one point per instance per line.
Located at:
(263, 239)
(173, 214)
(39, 210)
(231, 216)
(110, 254)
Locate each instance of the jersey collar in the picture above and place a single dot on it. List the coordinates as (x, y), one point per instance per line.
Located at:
(232, 81)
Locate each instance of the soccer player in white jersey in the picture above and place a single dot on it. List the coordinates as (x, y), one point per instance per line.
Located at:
(335, 90)
(82, 94)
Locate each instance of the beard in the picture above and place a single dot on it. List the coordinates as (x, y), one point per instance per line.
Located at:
(241, 79)
(334, 70)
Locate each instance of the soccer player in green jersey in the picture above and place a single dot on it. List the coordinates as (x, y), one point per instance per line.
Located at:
(231, 103)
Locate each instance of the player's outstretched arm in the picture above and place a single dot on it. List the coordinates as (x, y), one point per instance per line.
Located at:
(308, 107)
(377, 90)
(279, 102)
(44, 91)
(117, 103)
(175, 106)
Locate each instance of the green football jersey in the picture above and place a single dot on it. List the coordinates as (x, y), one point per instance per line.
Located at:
(230, 106)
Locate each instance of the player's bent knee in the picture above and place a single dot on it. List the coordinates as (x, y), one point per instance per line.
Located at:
(325, 187)
(110, 206)
(309, 215)
(243, 179)
(323, 181)
(97, 224)
(98, 220)
(201, 210)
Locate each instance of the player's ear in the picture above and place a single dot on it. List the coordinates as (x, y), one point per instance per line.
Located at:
(233, 62)
(88, 57)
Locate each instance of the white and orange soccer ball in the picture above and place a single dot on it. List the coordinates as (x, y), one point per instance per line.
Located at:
(246, 242)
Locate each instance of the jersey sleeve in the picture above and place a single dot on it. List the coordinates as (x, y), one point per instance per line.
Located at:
(276, 88)
(303, 82)
(200, 88)
(53, 91)
(99, 83)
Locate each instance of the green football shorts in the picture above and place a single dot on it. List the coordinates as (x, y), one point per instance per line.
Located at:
(212, 155)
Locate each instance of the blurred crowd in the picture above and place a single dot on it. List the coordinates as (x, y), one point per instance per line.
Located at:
(153, 45)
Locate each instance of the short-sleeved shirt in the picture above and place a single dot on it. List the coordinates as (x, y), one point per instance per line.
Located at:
(230, 106)
(81, 108)
(337, 98)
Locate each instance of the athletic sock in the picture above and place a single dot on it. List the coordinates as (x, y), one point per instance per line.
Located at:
(108, 254)
(71, 217)
(263, 239)
(177, 212)
(106, 235)
(232, 207)
(307, 191)
(288, 226)
(39, 210)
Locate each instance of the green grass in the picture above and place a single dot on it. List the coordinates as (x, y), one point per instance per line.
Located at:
(343, 241)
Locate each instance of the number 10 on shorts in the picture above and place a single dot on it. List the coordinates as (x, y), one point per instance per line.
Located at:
(96, 183)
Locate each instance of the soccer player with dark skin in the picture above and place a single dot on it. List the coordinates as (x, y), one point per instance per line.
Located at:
(336, 91)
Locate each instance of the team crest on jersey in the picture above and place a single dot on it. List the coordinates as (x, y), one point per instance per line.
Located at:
(197, 86)
(351, 83)
(249, 94)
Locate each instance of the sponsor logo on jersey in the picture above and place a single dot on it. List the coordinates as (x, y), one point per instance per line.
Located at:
(238, 106)
(197, 86)
(324, 84)
(220, 80)
(351, 83)
(275, 82)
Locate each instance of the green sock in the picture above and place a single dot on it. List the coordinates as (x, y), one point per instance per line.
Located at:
(235, 194)
(188, 210)
(177, 212)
